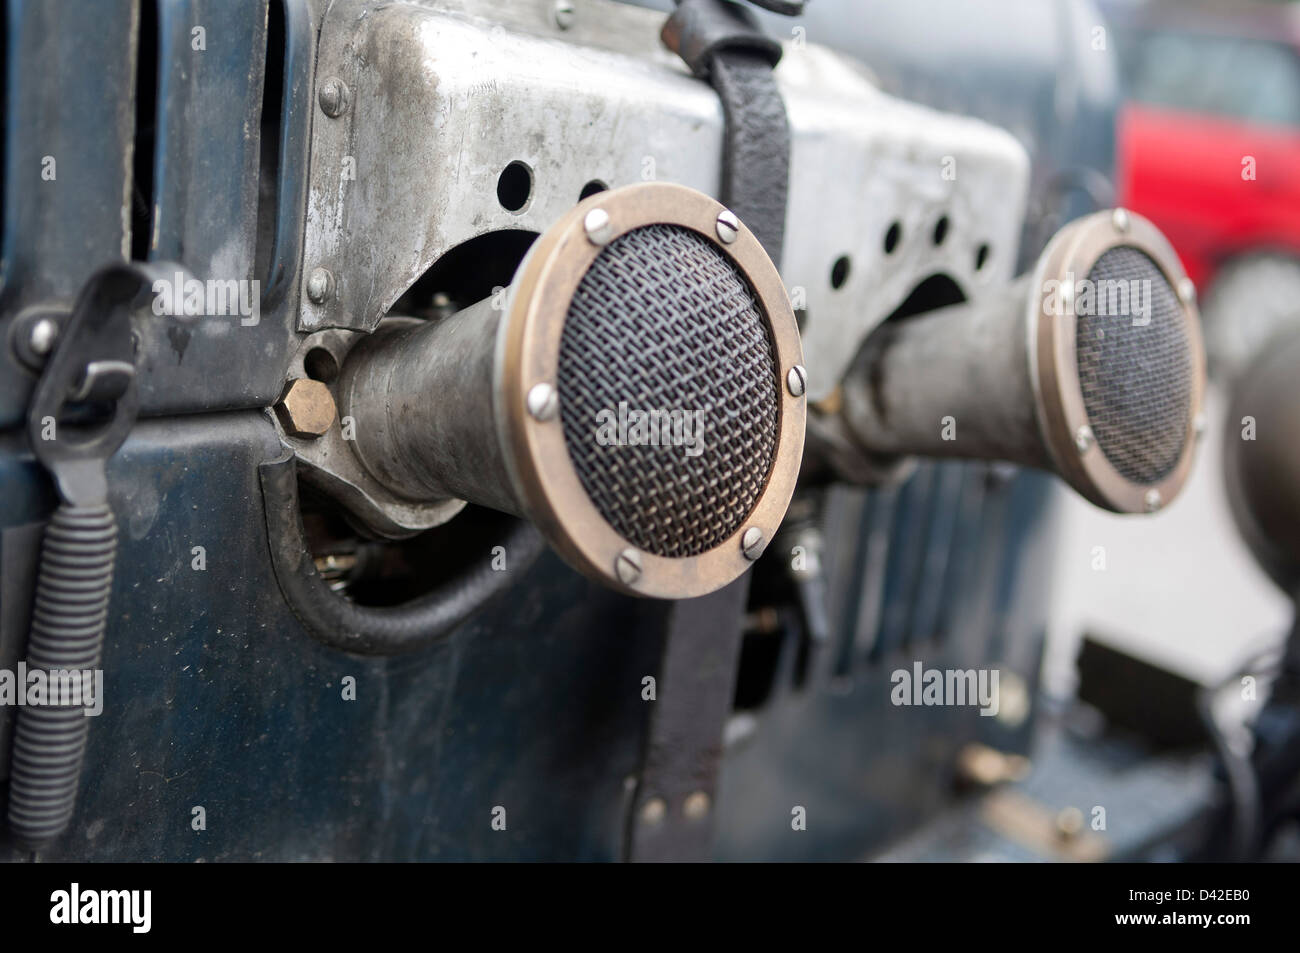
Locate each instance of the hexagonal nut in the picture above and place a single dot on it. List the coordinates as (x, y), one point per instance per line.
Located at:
(306, 408)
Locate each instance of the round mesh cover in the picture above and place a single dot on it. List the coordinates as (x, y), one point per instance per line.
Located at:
(668, 391)
(1135, 365)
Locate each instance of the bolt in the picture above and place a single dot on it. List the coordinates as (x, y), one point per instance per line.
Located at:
(305, 409)
(653, 810)
(696, 806)
(797, 380)
(728, 226)
(1121, 220)
(598, 226)
(543, 402)
(42, 336)
(333, 97)
(563, 13)
(628, 566)
(320, 285)
(1187, 291)
(753, 543)
(1153, 500)
(1083, 438)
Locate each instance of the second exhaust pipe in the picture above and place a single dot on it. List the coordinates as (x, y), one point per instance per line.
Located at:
(1091, 367)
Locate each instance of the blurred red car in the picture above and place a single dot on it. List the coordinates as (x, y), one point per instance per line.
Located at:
(1209, 149)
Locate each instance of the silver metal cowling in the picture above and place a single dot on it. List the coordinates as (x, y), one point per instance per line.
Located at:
(484, 85)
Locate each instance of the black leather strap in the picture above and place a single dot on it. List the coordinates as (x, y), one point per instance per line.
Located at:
(723, 43)
(672, 811)
(699, 29)
(756, 152)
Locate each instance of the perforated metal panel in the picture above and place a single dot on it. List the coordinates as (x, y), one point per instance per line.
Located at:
(1135, 365)
(663, 322)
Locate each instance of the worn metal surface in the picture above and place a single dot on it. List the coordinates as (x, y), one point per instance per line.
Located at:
(967, 363)
(329, 461)
(390, 193)
(219, 206)
(1046, 72)
(72, 96)
(423, 396)
(444, 98)
(861, 162)
(1008, 378)
(212, 58)
(68, 122)
(215, 698)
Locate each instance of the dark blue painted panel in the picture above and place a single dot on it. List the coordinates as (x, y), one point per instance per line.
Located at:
(69, 118)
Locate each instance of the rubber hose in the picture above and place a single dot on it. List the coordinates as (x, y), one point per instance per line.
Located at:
(68, 619)
(376, 630)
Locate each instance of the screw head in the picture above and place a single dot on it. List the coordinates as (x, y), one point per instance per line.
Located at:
(333, 97)
(1121, 220)
(42, 336)
(543, 402)
(728, 226)
(320, 285)
(628, 566)
(598, 227)
(563, 13)
(1187, 291)
(696, 805)
(1083, 439)
(753, 543)
(797, 380)
(1153, 500)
